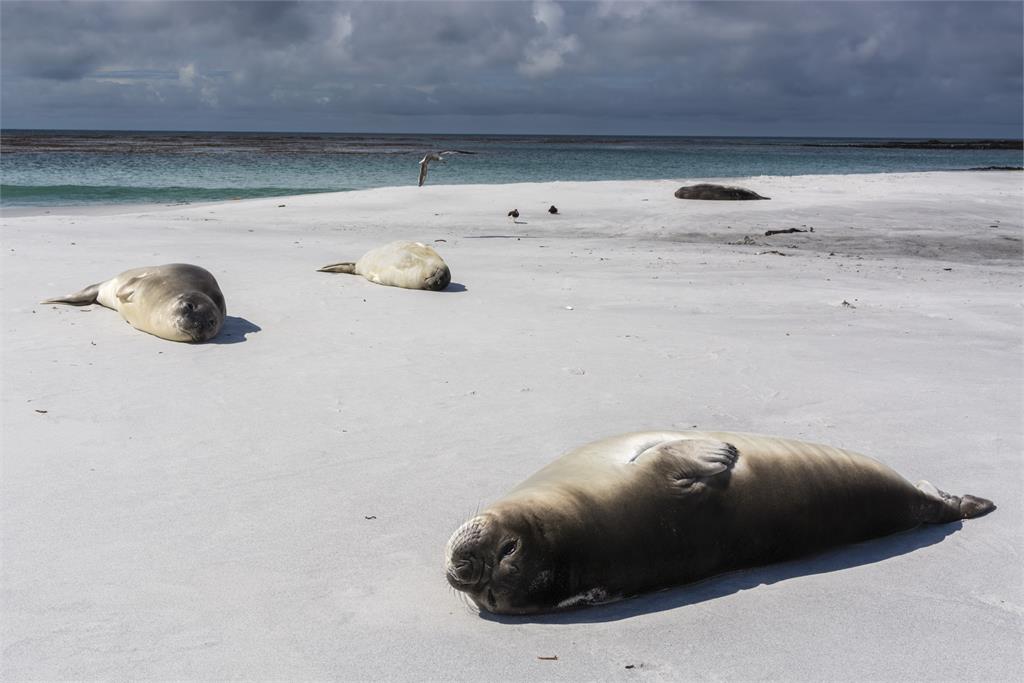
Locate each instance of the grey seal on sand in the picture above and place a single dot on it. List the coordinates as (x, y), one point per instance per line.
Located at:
(650, 510)
(412, 265)
(177, 301)
(709, 191)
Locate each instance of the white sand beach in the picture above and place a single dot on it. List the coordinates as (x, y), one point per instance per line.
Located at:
(275, 505)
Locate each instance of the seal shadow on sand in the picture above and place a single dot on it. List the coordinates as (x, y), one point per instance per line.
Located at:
(846, 557)
(454, 287)
(233, 330)
(501, 237)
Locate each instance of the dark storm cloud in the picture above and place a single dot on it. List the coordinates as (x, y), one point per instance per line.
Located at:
(666, 67)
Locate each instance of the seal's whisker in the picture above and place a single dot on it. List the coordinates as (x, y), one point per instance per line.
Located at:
(467, 603)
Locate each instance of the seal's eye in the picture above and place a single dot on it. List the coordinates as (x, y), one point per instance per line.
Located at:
(509, 548)
(190, 306)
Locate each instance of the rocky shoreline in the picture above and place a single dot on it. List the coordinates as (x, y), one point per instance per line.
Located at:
(928, 144)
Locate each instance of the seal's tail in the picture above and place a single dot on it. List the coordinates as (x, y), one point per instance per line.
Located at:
(347, 267)
(945, 507)
(83, 298)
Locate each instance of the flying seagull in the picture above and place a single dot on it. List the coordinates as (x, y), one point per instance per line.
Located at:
(436, 156)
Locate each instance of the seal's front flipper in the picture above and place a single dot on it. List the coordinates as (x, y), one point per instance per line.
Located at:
(944, 507)
(83, 298)
(348, 267)
(690, 461)
(125, 291)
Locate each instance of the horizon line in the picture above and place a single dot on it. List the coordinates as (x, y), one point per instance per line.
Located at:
(553, 135)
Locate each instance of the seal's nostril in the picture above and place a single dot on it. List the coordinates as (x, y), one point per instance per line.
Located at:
(464, 570)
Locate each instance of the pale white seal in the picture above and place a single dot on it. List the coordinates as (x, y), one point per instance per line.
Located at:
(412, 265)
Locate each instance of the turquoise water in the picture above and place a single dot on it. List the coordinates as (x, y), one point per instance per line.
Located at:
(66, 168)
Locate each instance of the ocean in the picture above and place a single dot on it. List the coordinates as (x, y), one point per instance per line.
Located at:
(68, 168)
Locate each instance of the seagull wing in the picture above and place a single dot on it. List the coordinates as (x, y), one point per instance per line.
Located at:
(423, 170)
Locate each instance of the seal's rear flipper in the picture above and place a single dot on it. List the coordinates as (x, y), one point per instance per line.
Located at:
(348, 267)
(83, 298)
(949, 508)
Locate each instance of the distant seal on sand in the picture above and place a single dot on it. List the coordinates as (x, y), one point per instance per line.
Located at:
(513, 214)
(177, 301)
(650, 510)
(710, 191)
(552, 209)
(412, 265)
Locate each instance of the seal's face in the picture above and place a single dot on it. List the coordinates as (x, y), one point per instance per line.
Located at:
(503, 563)
(440, 279)
(197, 316)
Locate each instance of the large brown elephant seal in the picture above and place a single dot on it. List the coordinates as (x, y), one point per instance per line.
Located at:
(650, 510)
(711, 191)
(412, 265)
(178, 301)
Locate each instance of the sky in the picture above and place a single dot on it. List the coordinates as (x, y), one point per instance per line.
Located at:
(887, 69)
